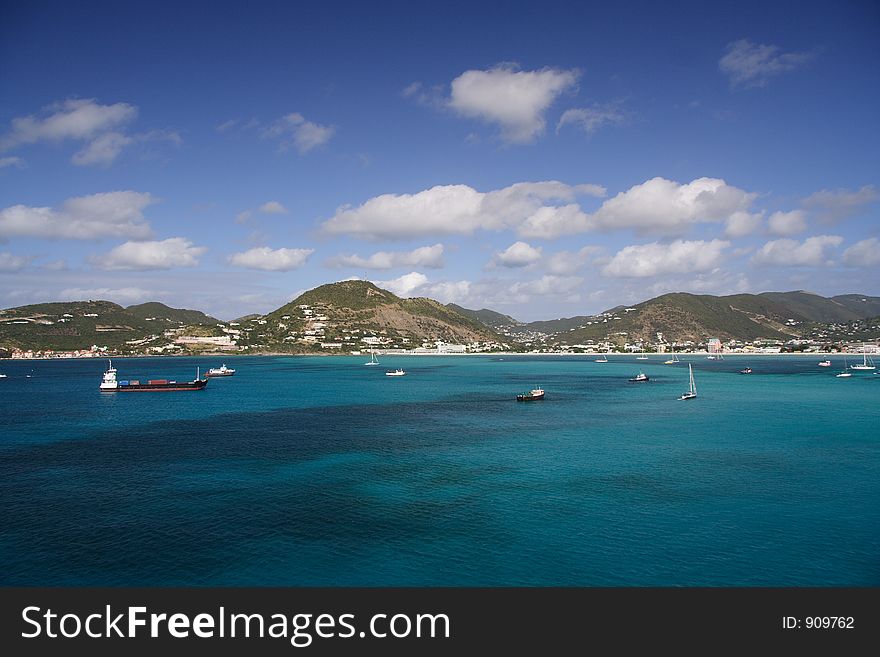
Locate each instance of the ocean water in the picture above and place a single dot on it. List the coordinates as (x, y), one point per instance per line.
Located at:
(321, 471)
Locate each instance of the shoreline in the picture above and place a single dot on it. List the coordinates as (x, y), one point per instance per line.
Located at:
(585, 354)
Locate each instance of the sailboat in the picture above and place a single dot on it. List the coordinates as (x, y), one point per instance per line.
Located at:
(865, 364)
(642, 357)
(692, 386)
(843, 374)
(673, 360)
(604, 359)
(373, 360)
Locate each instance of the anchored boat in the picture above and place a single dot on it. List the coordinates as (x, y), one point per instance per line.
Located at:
(112, 384)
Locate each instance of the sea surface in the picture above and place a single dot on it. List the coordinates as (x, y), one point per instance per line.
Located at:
(322, 471)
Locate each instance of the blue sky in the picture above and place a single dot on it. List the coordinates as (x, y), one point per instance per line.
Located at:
(540, 159)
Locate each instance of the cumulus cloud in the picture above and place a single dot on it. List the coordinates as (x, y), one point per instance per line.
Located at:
(749, 64)
(678, 257)
(76, 119)
(272, 207)
(667, 207)
(406, 285)
(790, 253)
(110, 214)
(514, 100)
(518, 254)
(10, 262)
(450, 209)
(267, 259)
(425, 256)
(565, 263)
(549, 284)
(834, 205)
(741, 223)
(294, 131)
(143, 256)
(102, 150)
(863, 254)
(787, 223)
(545, 210)
(590, 119)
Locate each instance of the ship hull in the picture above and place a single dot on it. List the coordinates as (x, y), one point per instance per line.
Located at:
(158, 387)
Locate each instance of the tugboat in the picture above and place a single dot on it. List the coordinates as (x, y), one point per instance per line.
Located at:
(532, 395)
(638, 378)
(110, 384)
(220, 371)
(397, 372)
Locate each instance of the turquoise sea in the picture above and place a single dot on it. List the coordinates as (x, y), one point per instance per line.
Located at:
(321, 471)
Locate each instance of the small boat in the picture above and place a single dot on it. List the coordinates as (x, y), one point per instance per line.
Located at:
(641, 376)
(604, 359)
(397, 372)
(825, 363)
(867, 364)
(2, 376)
(220, 371)
(532, 395)
(746, 370)
(844, 374)
(673, 360)
(692, 386)
(373, 360)
(710, 357)
(111, 384)
(642, 357)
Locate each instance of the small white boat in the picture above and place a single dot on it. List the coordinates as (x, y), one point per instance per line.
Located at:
(220, 371)
(692, 386)
(373, 360)
(638, 378)
(825, 363)
(844, 374)
(397, 372)
(532, 395)
(642, 357)
(2, 376)
(673, 360)
(604, 359)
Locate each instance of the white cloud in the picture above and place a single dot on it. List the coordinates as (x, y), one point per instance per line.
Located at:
(110, 214)
(835, 205)
(293, 130)
(450, 209)
(425, 256)
(863, 254)
(267, 259)
(667, 207)
(590, 119)
(11, 161)
(742, 223)
(515, 100)
(102, 150)
(272, 207)
(678, 257)
(787, 223)
(406, 285)
(750, 64)
(142, 256)
(72, 119)
(10, 262)
(566, 262)
(548, 284)
(790, 253)
(243, 217)
(518, 254)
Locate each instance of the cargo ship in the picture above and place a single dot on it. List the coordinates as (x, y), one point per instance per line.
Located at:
(111, 384)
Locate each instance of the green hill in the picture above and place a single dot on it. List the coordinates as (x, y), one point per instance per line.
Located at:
(155, 311)
(812, 307)
(861, 304)
(355, 315)
(490, 318)
(74, 325)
